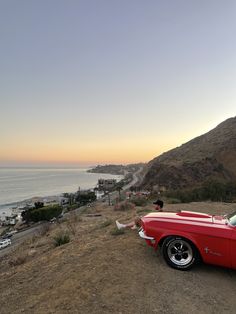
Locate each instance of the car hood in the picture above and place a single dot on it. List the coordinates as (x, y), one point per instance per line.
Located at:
(186, 216)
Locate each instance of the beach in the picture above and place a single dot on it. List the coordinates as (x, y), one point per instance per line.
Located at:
(25, 185)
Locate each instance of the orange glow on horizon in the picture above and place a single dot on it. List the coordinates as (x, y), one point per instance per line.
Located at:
(120, 151)
(84, 157)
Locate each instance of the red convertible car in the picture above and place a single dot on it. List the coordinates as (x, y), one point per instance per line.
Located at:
(186, 238)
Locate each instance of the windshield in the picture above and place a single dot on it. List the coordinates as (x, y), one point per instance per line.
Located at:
(232, 218)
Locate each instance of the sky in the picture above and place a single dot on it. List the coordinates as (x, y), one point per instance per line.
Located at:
(112, 81)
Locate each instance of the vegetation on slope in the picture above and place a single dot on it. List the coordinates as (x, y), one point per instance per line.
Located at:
(208, 157)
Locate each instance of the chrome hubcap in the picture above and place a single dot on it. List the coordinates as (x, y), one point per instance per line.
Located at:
(180, 252)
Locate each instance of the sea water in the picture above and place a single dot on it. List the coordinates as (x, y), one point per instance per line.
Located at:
(19, 184)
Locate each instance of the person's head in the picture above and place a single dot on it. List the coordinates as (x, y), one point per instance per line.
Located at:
(159, 204)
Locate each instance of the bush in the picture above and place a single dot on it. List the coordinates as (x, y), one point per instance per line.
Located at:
(211, 190)
(61, 238)
(124, 206)
(38, 205)
(139, 201)
(44, 213)
(72, 207)
(83, 199)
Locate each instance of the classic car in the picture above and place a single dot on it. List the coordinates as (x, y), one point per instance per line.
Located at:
(186, 237)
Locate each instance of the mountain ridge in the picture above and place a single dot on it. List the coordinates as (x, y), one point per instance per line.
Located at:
(209, 156)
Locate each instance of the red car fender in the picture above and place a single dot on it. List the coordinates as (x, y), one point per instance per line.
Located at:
(182, 234)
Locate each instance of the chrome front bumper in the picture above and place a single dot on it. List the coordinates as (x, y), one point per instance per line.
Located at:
(144, 236)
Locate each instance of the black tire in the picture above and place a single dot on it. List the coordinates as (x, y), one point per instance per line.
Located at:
(179, 253)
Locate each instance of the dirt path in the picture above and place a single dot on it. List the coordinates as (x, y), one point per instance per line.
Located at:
(98, 272)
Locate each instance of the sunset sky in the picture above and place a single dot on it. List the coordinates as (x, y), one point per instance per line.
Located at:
(105, 81)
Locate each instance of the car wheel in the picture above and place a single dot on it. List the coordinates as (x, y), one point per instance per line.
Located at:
(179, 253)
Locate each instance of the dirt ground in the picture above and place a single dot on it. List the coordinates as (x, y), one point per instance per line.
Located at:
(98, 272)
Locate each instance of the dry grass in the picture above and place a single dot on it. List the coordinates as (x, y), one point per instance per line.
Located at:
(44, 230)
(72, 223)
(124, 206)
(103, 270)
(18, 259)
(116, 232)
(106, 223)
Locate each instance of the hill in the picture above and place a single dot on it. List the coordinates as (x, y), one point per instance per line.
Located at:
(116, 169)
(99, 272)
(209, 156)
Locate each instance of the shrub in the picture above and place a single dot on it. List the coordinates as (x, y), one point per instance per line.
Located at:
(139, 201)
(211, 190)
(72, 207)
(124, 206)
(43, 213)
(61, 238)
(38, 205)
(83, 199)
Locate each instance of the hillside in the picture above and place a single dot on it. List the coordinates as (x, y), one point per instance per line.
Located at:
(209, 156)
(111, 169)
(97, 272)
(116, 169)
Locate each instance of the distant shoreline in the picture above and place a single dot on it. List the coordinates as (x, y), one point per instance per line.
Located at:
(43, 183)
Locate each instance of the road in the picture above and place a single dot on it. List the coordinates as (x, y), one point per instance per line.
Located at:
(136, 178)
(21, 236)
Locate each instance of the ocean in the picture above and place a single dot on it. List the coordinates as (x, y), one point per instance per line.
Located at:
(19, 184)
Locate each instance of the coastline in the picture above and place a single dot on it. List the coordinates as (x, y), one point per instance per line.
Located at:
(14, 207)
(45, 185)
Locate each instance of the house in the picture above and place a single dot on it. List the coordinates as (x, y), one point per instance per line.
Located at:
(106, 184)
(10, 220)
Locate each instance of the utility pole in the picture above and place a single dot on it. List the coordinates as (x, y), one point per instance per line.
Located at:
(109, 198)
